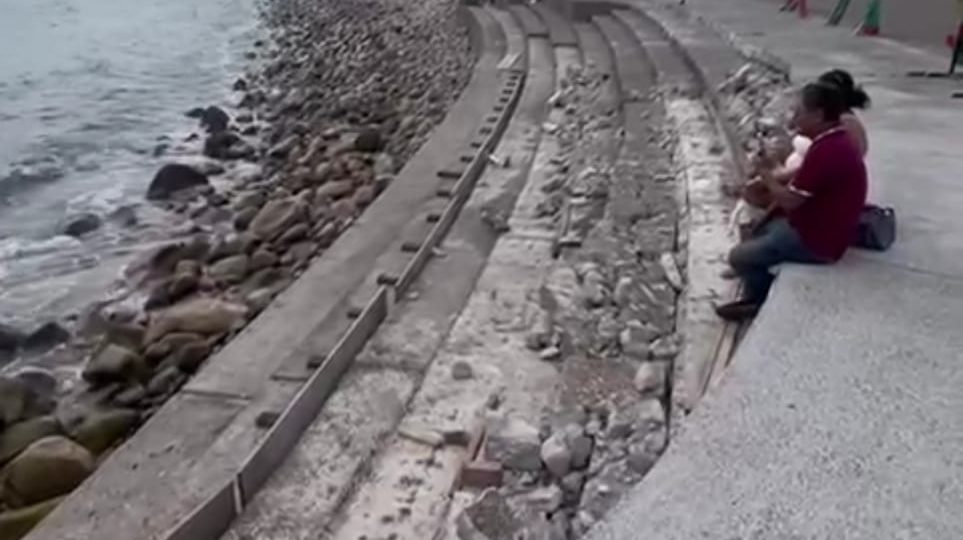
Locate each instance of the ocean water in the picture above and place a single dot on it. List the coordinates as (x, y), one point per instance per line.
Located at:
(88, 89)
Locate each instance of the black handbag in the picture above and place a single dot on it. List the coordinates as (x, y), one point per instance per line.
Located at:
(877, 228)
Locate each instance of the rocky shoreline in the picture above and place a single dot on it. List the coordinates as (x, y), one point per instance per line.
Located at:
(337, 100)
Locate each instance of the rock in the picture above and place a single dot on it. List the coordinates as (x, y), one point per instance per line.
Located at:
(262, 258)
(461, 371)
(169, 344)
(333, 190)
(550, 354)
(488, 518)
(165, 259)
(634, 339)
(344, 209)
(209, 168)
(206, 316)
(284, 147)
(125, 216)
(230, 270)
(243, 219)
(226, 246)
(100, 430)
(622, 294)
(214, 119)
(114, 363)
(48, 335)
(666, 347)
(50, 467)
(18, 401)
(671, 269)
(298, 253)
(222, 145)
(132, 396)
(556, 455)
(239, 85)
(249, 199)
(191, 355)
(594, 291)
(368, 140)
(545, 499)
(542, 332)
(295, 233)
(514, 443)
(42, 386)
(180, 286)
(196, 112)
(166, 381)
(572, 486)
(22, 434)
(16, 524)
(581, 446)
(81, 224)
(129, 335)
(172, 178)
(276, 216)
(10, 338)
(651, 378)
(259, 299)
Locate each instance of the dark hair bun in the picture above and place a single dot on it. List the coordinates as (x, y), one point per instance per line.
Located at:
(854, 96)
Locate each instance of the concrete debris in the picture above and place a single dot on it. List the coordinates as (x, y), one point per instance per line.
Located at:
(556, 455)
(461, 371)
(514, 443)
(651, 378)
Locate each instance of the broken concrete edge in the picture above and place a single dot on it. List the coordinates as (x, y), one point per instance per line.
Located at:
(214, 516)
(463, 188)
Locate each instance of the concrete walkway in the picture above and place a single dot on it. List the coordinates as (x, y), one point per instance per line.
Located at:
(842, 416)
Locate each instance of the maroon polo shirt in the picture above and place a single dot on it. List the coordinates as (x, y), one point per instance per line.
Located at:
(832, 178)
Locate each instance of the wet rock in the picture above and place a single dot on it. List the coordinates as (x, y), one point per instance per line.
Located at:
(47, 336)
(222, 145)
(48, 468)
(10, 338)
(129, 335)
(181, 286)
(514, 443)
(170, 343)
(172, 178)
(16, 524)
(227, 246)
(100, 430)
(461, 371)
(165, 259)
(230, 270)
(368, 140)
(262, 258)
(206, 316)
(275, 217)
(114, 364)
(133, 396)
(81, 224)
(294, 234)
(196, 112)
(334, 190)
(18, 401)
(243, 219)
(14, 439)
(166, 381)
(214, 119)
(190, 356)
(239, 85)
(651, 378)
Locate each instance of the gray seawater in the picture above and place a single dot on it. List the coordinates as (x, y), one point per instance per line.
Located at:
(88, 89)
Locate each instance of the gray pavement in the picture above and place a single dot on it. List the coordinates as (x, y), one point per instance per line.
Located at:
(842, 416)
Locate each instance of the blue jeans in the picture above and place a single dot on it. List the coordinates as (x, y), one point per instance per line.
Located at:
(774, 243)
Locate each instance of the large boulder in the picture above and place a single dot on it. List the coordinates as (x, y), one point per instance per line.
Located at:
(18, 401)
(81, 224)
(172, 178)
(10, 338)
(205, 316)
(15, 524)
(22, 434)
(102, 429)
(48, 468)
(115, 363)
(46, 336)
(214, 119)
